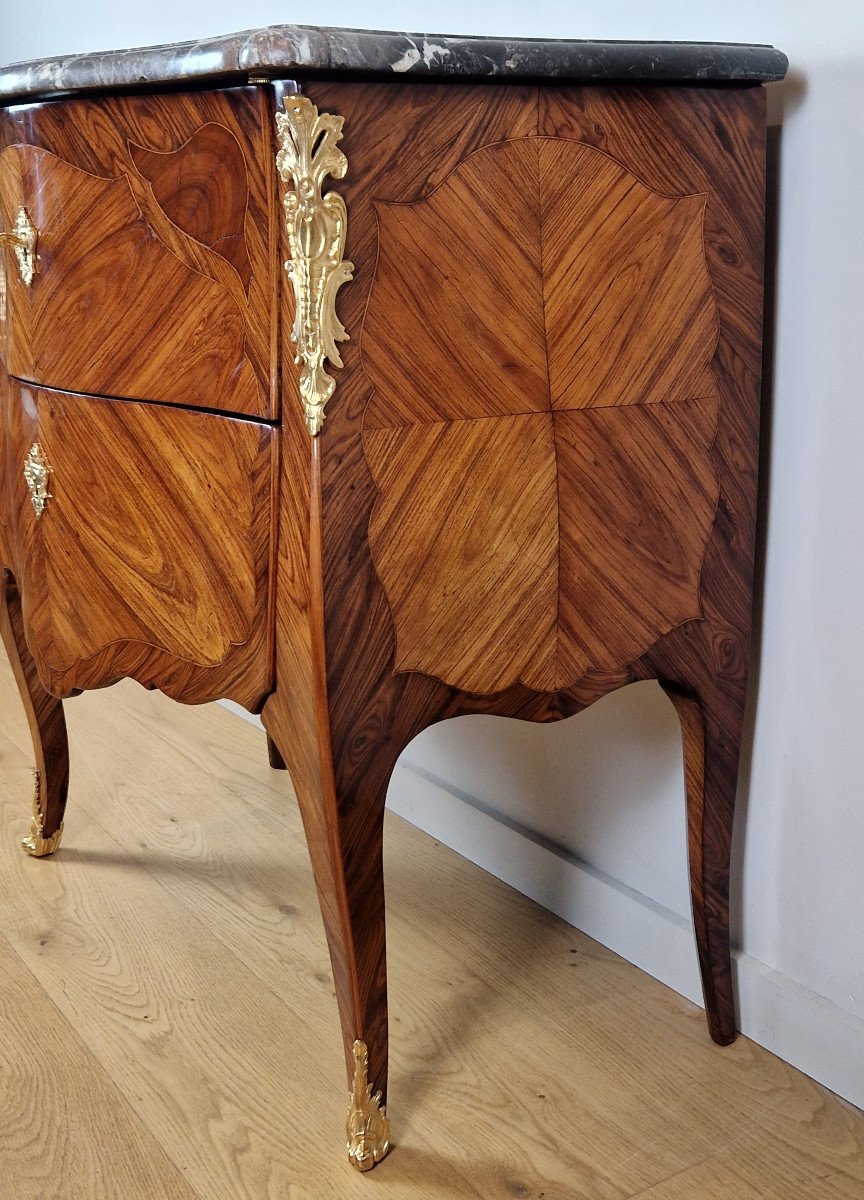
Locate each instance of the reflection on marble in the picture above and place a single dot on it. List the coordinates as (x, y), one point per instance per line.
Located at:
(285, 50)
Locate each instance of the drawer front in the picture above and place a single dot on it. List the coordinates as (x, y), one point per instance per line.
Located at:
(150, 557)
(156, 254)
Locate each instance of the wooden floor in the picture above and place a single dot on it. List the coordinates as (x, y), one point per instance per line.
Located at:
(168, 1027)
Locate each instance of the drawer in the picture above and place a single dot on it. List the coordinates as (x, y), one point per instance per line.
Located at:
(150, 557)
(156, 260)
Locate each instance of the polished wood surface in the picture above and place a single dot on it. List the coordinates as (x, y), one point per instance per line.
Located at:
(156, 254)
(582, 542)
(536, 480)
(582, 547)
(202, 187)
(44, 714)
(296, 715)
(152, 558)
(661, 591)
(171, 963)
(574, 287)
(471, 573)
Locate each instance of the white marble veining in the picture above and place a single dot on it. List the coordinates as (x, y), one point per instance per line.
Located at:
(284, 50)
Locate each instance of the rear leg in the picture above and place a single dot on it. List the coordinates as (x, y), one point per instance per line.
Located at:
(712, 738)
(277, 762)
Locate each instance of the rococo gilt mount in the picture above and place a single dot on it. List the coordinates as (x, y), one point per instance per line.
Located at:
(372, 379)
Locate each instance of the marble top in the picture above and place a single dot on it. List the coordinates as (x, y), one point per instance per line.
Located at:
(288, 50)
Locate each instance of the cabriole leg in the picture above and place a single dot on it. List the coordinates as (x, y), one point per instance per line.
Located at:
(345, 838)
(712, 737)
(47, 728)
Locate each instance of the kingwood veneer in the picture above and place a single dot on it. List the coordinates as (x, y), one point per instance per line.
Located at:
(516, 472)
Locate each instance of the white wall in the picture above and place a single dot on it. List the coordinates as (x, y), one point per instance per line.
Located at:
(601, 797)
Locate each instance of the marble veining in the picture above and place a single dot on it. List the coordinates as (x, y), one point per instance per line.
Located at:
(284, 50)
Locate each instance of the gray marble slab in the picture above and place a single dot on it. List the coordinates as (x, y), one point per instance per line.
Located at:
(288, 50)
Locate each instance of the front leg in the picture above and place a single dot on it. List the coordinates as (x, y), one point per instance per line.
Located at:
(344, 831)
(47, 728)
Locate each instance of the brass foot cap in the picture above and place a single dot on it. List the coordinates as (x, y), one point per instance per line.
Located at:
(35, 843)
(38, 846)
(367, 1127)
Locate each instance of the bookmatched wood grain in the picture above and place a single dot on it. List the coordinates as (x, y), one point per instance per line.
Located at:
(536, 481)
(152, 557)
(574, 286)
(344, 823)
(521, 579)
(157, 267)
(437, 475)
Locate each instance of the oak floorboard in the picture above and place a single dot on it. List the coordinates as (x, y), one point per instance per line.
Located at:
(176, 950)
(756, 1168)
(65, 1131)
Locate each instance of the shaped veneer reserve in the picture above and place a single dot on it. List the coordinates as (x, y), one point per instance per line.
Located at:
(567, 365)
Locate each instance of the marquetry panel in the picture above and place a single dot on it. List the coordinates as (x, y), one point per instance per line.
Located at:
(441, 408)
(151, 558)
(202, 187)
(471, 339)
(157, 266)
(542, 419)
